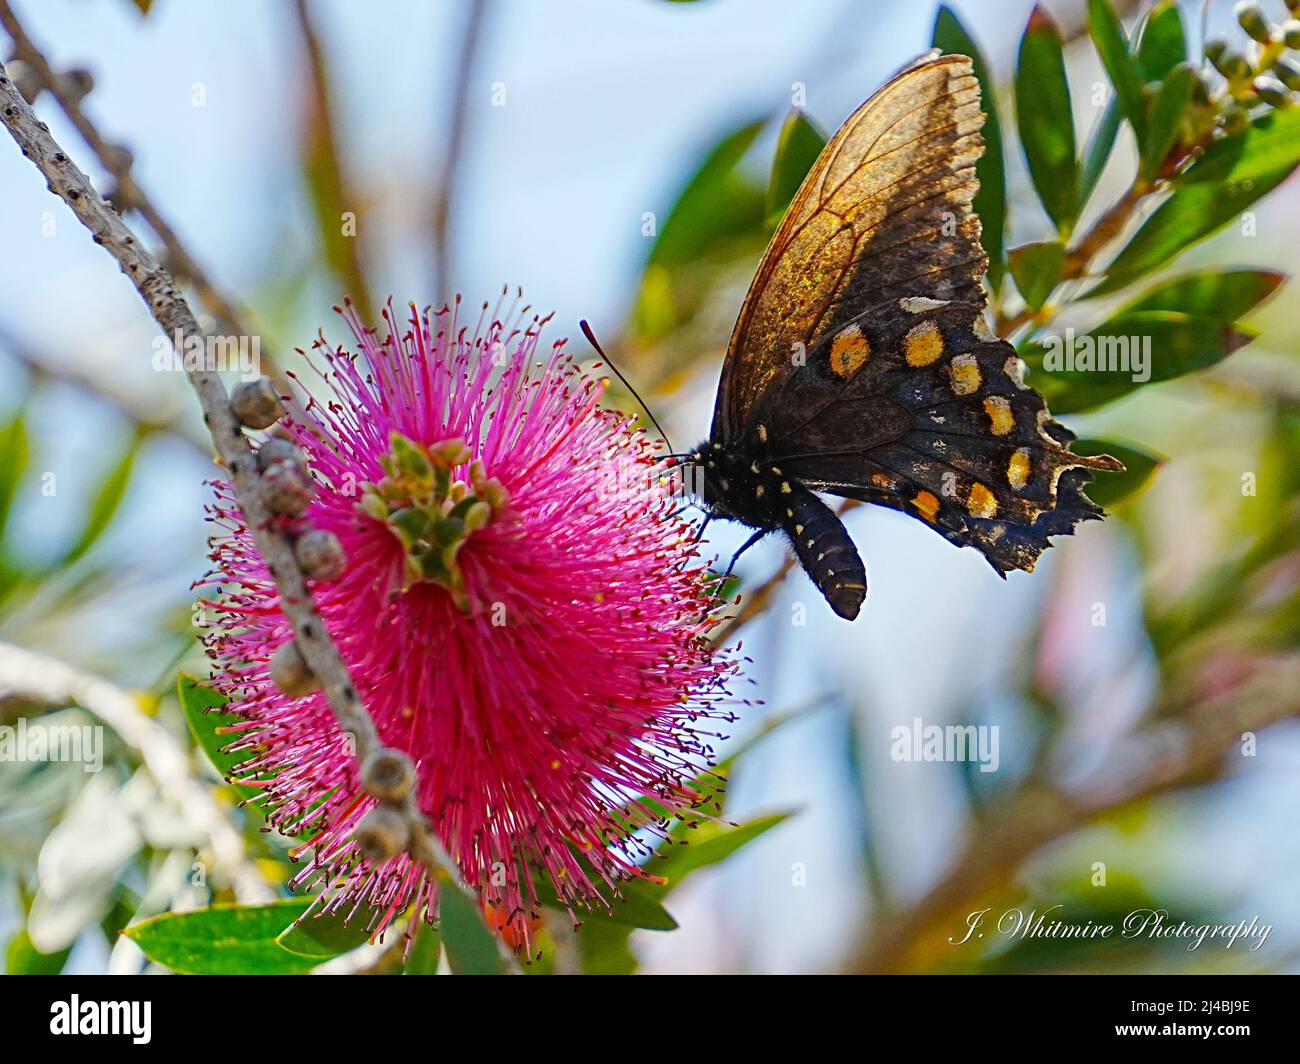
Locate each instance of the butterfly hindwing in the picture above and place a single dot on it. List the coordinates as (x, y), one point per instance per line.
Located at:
(979, 458)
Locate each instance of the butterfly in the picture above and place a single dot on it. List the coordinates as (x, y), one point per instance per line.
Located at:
(862, 365)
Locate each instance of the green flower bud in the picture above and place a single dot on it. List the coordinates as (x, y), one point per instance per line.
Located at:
(1287, 73)
(1250, 16)
(1291, 32)
(1232, 65)
(1272, 92)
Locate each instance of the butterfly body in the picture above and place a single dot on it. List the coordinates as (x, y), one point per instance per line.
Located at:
(741, 486)
(862, 364)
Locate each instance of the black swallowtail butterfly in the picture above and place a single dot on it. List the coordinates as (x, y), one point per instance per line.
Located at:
(862, 364)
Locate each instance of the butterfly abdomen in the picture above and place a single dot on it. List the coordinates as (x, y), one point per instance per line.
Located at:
(824, 549)
(742, 488)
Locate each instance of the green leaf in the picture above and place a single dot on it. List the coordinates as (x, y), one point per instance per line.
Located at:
(1224, 295)
(326, 936)
(1177, 344)
(1046, 120)
(15, 454)
(107, 500)
(201, 704)
(426, 951)
(991, 201)
(797, 149)
(1162, 44)
(1271, 143)
(1110, 488)
(1037, 270)
(1166, 120)
(717, 203)
(637, 908)
(22, 958)
(720, 210)
(224, 939)
(1191, 214)
(1121, 66)
(1161, 47)
(471, 947)
(1101, 142)
(707, 845)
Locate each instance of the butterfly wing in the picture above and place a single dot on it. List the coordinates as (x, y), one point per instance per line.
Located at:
(862, 364)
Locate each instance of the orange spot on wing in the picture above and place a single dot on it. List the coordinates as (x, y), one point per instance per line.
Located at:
(923, 345)
(965, 375)
(981, 502)
(1018, 469)
(1001, 419)
(927, 503)
(849, 352)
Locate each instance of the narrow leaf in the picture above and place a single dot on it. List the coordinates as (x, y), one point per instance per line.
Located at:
(1111, 488)
(326, 936)
(797, 149)
(991, 202)
(1126, 353)
(425, 953)
(637, 908)
(1121, 65)
(1191, 214)
(1167, 113)
(1270, 144)
(708, 845)
(15, 454)
(107, 500)
(716, 203)
(471, 947)
(224, 939)
(716, 213)
(23, 958)
(1037, 270)
(1046, 120)
(335, 200)
(1162, 44)
(1101, 142)
(201, 706)
(1224, 295)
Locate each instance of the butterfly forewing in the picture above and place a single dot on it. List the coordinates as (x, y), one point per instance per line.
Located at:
(884, 213)
(862, 364)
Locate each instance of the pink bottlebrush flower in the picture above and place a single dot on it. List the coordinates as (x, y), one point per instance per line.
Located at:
(522, 612)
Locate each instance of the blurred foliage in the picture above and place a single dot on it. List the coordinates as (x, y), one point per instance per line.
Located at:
(1208, 142)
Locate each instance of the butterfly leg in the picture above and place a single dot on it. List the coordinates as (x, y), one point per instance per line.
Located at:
(743, 547)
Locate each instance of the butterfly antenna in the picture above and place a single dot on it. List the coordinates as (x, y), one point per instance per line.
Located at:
(591, 339)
